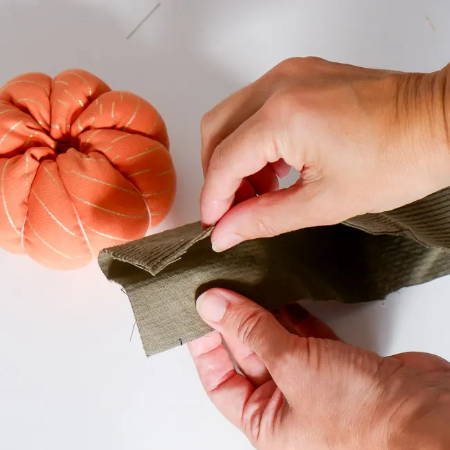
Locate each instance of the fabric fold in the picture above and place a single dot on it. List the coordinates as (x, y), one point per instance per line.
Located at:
(427, 221)
(163, 274)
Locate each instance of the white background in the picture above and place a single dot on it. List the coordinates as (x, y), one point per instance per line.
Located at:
(70, 378)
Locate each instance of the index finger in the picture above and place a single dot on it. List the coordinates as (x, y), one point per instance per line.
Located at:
(243, 153)
(224, 118)
(228, 390)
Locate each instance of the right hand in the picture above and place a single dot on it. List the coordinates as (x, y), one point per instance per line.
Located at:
(364, 141)
(299, 387)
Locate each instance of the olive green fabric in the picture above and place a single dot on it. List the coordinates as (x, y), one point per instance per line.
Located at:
(164, 273)
(426, 221)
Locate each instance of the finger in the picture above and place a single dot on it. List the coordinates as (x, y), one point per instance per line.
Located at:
(224, 118)
(228, 390)
(298, 320)
(228, 115)
(265, 180)
(249, 363)
(262, 407)
(244, 192)
(277, 212)
(243, 153)
(251, 325)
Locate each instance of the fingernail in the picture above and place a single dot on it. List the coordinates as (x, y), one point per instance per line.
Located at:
(297, 312)
(212, 211)
(211, 306)
(225, 242)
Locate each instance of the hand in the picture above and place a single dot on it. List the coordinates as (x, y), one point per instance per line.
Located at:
(305, 389)
(363, 141)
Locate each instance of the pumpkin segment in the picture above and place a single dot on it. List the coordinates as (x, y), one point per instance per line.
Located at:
(82, 167)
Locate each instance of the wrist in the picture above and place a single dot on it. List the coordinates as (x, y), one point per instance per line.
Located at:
(436, 111)
(441, 96)
(423, 105)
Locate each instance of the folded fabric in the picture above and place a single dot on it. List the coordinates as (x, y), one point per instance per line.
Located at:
(164, 273)
(82, 167)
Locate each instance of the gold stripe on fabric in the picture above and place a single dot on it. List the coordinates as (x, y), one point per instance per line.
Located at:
(70, 94)
(133, 116)
(45, 88)
(76, 74)
(10, 130)
(107, 210)
(5, 203)
(140, 172)
(106, 183)
(31, 100)
(50, 246)
(154, 194)
(106, 235)
(145, 152)
(164, 172)
(52, 215)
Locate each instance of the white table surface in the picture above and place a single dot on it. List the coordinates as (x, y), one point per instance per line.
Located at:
(70, 377)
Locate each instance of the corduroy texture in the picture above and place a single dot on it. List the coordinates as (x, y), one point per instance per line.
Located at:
(162, 274)
(427, 221)
(81, 167)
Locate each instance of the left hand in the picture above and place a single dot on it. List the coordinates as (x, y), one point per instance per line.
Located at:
(299, 387)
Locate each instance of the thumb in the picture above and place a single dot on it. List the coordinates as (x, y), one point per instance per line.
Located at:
(246, 322)
(274, 213)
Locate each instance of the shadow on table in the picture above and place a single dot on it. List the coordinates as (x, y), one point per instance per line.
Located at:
(366, 325)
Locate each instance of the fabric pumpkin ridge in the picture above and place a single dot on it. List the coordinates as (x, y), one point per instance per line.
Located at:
(82, 167)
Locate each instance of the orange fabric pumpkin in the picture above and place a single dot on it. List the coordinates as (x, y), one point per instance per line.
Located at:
(82, 167)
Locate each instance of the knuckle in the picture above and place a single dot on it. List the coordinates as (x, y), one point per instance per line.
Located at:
(279, 108)
(312, 61)
(250, 328)
(216, 162)
(294, 106)
(264, 228)
(262, 223)
(290, 63)
(206, 119)
(285, 102)
(284, 69)
(251, 424)
(297, 63)
(206, 124)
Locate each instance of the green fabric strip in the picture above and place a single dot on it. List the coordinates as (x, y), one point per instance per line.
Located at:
(426, 221)
(164, 273)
